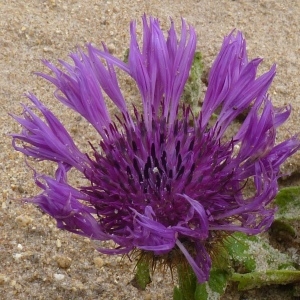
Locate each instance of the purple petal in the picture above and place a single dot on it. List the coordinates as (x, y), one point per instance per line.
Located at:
(47, 141)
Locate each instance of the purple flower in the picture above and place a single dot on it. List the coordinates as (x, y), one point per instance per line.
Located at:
(164, 178)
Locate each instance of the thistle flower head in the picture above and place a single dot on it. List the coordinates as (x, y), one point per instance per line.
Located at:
(164, 178)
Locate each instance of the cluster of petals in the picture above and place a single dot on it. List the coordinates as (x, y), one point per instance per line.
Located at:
(164, 177)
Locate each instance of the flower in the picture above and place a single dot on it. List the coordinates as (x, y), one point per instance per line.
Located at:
(164, 178)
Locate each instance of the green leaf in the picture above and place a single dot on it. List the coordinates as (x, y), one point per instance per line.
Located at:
(142, 276)
(273, 266)
(258, 279)
(214, 288)
(254, 253)
(283, 230)
(218, 281)
(193, 85)
(238, 245)
(288, 202)
(287, 218)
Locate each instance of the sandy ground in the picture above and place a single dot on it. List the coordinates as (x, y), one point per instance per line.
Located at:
(37, 260)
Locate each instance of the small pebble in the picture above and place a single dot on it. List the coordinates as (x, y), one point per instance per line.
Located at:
(59, 276)
(17, 256)
(63, 262)
(147, 297)
(58, 243)
(47, 49)
(111, 48)
(98, 261)
(3, 279)
(23, 220)
(159, 279)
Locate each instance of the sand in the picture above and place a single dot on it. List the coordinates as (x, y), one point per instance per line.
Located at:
(39, 261)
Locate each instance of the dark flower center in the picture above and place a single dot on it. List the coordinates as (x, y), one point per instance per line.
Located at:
(154, 167)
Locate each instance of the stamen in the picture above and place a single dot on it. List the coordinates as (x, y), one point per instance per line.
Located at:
(177, 147)
(179, 161)
(153, 151)
(164, 160)
(134, 146)
(136, 167)
(146, 168)
(157, 180)
(161, 138)
(180, 172)
(191, 146)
